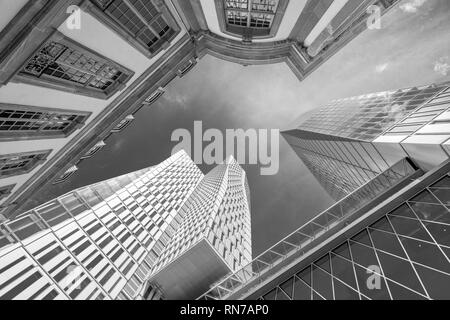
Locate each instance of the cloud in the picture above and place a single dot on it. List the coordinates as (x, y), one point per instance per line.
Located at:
(442, 66)
(381, 67)
(412, 6)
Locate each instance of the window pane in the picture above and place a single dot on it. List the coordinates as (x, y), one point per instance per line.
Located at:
(271, 295)
(362, 237)
(301, 290)
(431, 212)
(400, 271)
(281, 295)
(324, 263)
(288, 286)
(403, 211)
(443, 195)
(426, 253)
(440, 232)
(343, 250)
(382, 224)
(400, 293)
(444, 183)
(436, 283)
(387, 242)
(343, 270)
(409, 227)
(363, 255)
(305, 275)
(322, 283)
(425, 196)
(342, 292)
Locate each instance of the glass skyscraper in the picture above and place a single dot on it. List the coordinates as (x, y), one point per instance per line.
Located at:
(102, 241)
(351, 140)
(214, 238)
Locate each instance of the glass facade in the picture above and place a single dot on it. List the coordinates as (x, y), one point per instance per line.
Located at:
(366, 117)
(403, 255)
(350, 141)
(219, 211)
(106, 240)
(340, 165)
(99, 241)
(318, 228)
(425, 120)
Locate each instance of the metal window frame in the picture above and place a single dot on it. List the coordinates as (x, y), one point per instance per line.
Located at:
(40, 134)
(162, 44)
(250, 32)
(41, 155)
(70, 86)
(5, 191)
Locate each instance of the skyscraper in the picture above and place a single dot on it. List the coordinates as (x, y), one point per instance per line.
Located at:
(350, 141)
(385, 158)
(102, 241)
(214, 238)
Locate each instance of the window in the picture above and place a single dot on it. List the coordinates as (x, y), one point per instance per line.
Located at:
(63, 64)
(98, 146)
(29, 122)
(20, 163)
(5, 191)
(186, 67)
(251, 18)
(69, 172)
(150, 26)
(154, 96)
(122, 124)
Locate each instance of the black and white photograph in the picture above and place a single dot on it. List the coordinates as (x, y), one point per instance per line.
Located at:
(214, 157)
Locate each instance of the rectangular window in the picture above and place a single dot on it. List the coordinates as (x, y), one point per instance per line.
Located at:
(123, 123)
(31, 122)
(151, 27)
(63, 64)
(20, 163)
(5, 191)
(259, 14)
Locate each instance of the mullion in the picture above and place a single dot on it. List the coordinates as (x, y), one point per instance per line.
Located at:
(140, 17)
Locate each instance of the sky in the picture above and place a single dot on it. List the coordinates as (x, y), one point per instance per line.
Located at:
(411, 48)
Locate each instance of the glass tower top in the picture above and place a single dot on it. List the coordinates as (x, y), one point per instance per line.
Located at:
(368, 116)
